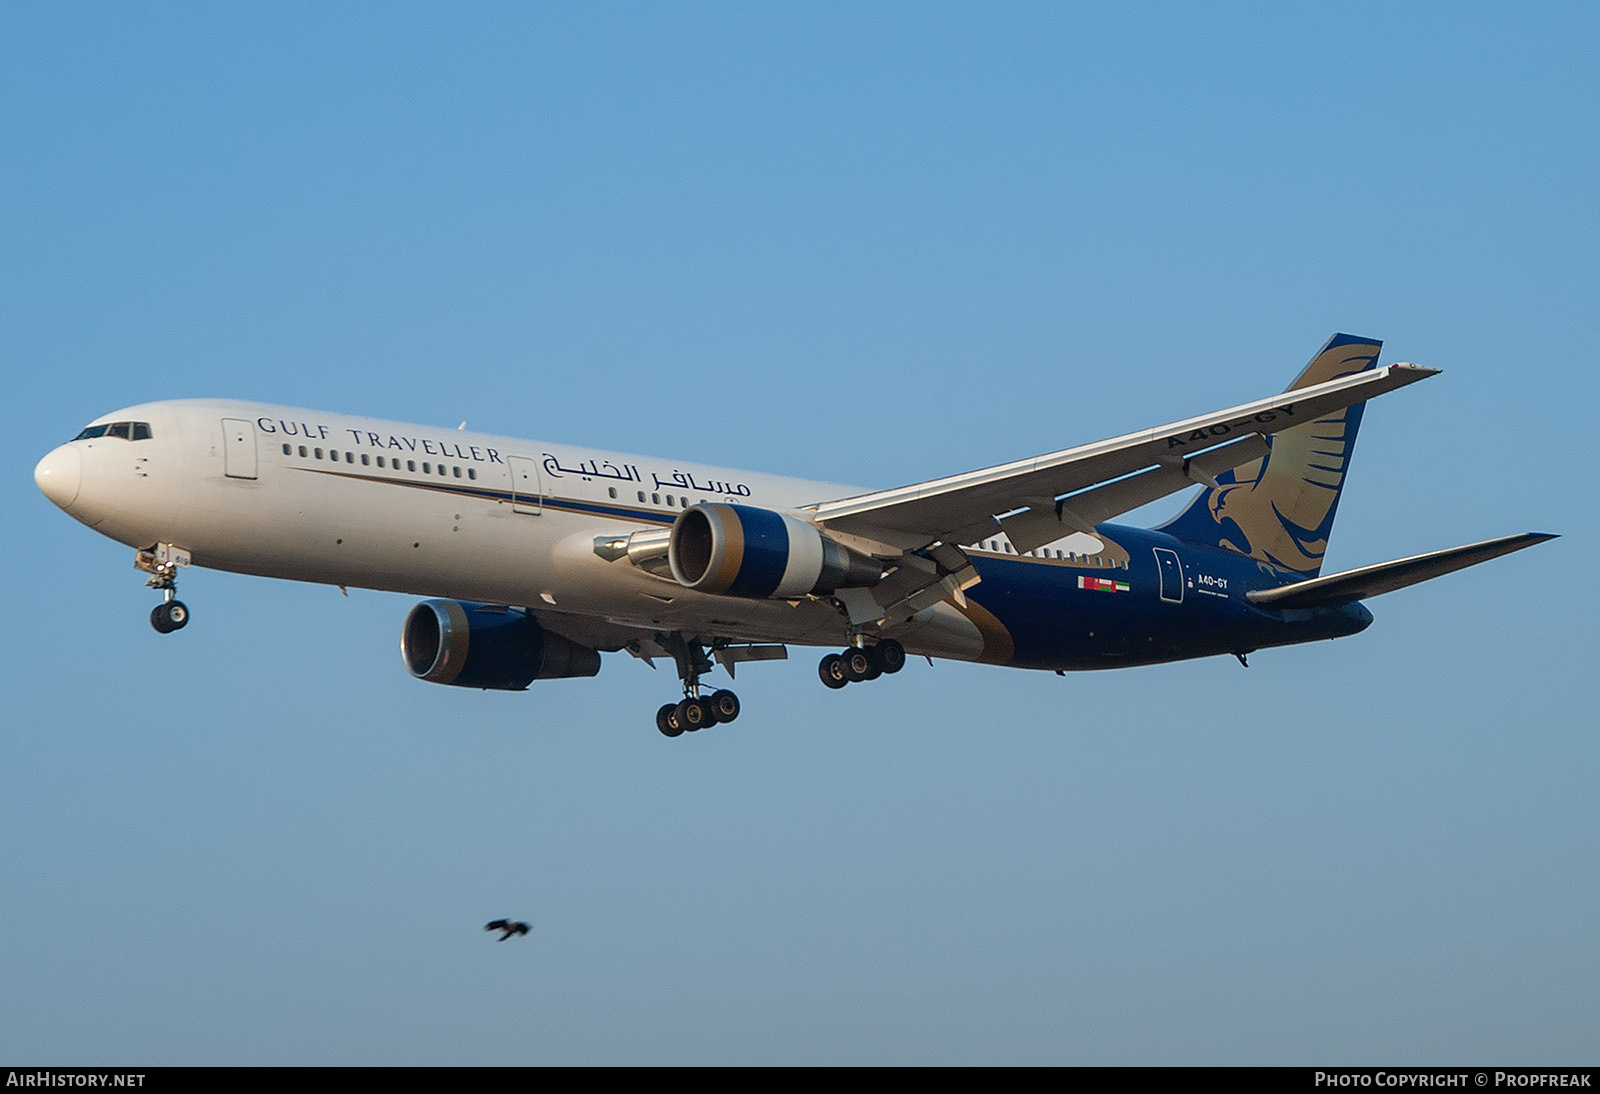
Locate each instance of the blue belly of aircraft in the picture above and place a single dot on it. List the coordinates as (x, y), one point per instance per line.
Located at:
(1166, 600)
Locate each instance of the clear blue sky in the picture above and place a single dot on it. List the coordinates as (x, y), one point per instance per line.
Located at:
(868, 246)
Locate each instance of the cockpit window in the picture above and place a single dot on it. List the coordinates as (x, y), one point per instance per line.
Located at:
(128, 431)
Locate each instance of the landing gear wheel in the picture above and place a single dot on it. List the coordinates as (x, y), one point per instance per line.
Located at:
(667, 721)
(691, 714)
(831, 669)
(724, 705)
(169, 616)
(889, 655)
(857, 665)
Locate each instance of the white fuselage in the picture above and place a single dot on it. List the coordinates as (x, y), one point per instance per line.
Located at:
(313, 496)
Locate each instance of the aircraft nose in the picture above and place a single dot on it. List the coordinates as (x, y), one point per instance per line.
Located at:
(59, 475)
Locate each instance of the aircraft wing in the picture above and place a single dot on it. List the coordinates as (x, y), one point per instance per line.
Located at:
(1038, 500)
(1386, 577)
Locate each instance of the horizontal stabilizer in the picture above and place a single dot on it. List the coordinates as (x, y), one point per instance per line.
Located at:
(1386, 577)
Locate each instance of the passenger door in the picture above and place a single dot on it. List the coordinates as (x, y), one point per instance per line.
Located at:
(239, 448)
(1171, 568)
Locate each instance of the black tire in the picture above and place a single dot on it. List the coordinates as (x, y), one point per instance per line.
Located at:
(831, 669)
(692, 714)
(724, 705)
(667, 721)
(890, 656)
(168, 616)
(857, 665)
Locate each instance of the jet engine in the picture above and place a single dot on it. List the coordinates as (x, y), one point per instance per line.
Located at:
(487, 646)
(740, 550)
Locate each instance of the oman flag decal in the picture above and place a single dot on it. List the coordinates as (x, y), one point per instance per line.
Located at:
(1102, 585)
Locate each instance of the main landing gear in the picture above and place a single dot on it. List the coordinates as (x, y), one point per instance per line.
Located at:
(858, 663)
(674, 719)
(695, 711)
(162, 566)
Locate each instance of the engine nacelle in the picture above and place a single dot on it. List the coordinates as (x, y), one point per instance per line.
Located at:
(743, 551)
(487, 646)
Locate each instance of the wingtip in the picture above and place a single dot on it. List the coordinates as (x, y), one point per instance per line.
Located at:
(1521, 541)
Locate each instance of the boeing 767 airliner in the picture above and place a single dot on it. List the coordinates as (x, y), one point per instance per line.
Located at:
(543, 556)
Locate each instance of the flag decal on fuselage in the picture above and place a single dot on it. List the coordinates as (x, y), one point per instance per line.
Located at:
(1102, 585)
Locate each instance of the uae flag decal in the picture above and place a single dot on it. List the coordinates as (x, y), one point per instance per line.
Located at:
(1102, 585)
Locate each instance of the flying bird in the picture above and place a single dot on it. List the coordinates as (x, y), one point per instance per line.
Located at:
(509, 927)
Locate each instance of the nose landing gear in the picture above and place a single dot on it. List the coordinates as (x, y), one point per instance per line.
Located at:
(162, 563)
(169, 616)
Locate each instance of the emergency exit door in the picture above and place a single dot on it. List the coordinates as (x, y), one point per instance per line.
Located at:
(526, 497)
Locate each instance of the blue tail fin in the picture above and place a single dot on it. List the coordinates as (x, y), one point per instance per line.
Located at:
(1280, 508)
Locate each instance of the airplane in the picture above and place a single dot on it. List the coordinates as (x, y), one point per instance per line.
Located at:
(540, 557)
